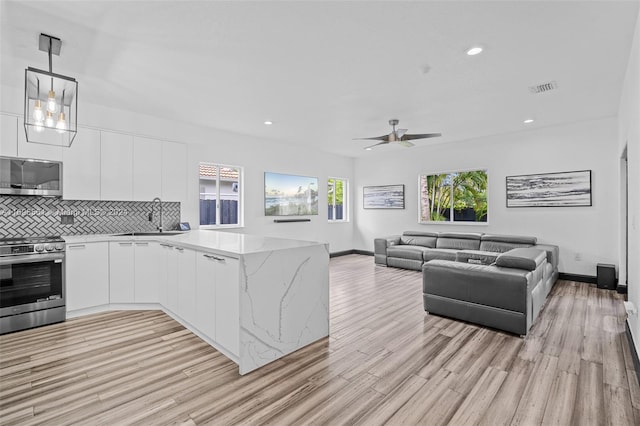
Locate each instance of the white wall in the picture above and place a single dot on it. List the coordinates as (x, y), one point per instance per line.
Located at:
(217, 146)
(589, 231)
(629, 136)
(256, 157)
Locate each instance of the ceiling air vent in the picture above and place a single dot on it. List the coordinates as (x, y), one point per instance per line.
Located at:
(544, 87)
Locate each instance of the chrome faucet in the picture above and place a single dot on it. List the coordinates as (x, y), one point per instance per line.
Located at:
(153, 206)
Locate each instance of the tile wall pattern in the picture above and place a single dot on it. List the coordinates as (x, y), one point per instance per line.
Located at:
(38, 216)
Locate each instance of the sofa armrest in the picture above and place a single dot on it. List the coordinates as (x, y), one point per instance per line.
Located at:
(553, 254)
(380, 248)
(522, 258)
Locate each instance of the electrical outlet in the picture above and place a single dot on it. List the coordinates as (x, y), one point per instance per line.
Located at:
(66, 219)
(578, 257)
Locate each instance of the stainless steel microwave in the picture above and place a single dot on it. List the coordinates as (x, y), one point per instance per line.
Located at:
(24, 176)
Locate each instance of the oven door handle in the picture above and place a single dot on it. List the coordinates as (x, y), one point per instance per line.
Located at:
(31, 258)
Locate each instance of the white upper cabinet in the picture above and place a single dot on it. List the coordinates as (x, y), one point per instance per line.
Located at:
(116, 167)
(36, 150)
(174, 172)
(81, 167)
(147, 169)
(9, 136)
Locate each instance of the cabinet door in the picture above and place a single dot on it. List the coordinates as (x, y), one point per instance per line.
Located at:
(227, 304)
(87, 275)
(36, 150)
(81, 168)
(9, 135)
(147, 272)
(206, 294)
(147, 169)
(116, 167)
(171, 285)
(121, 272)
(174, 171)
(187, 284)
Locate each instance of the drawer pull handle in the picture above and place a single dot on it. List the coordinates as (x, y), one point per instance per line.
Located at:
(179, 248)
(142, 244)
(219, 259)
(125, 244)
(166, 245)
(78, 246)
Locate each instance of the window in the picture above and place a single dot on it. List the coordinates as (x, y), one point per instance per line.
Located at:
(453, 197)
(220, 195)
(337, 190)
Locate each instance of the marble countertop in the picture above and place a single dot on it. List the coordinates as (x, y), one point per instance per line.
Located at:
(228, 243)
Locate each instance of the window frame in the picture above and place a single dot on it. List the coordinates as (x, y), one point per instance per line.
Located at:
(218, 225)
(452, 220)
(345, 199)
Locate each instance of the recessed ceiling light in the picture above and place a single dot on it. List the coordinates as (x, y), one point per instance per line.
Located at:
(528, 121)
(368, 149)
(268, 123)
(474, 50)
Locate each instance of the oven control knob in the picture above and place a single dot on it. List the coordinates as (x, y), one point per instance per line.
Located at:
(59, 246)
(48, 247)
(39, 248)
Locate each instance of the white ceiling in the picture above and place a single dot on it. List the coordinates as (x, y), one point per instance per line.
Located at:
(327, 72)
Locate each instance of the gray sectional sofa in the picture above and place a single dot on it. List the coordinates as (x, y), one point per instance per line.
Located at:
(500, 281)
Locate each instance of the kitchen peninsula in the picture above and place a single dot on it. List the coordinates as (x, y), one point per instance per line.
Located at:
(254, 298)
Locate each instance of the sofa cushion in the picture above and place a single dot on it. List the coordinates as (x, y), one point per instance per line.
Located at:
(425, 239)
(398, 262)
(522, 258)
(443, 254)
(476, 256)
(406, 252)
(459, 240)
(503, 243)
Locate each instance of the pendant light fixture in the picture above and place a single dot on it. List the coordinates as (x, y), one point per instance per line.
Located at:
(50, 115)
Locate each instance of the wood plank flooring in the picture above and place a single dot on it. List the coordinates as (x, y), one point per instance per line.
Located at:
(385, 362)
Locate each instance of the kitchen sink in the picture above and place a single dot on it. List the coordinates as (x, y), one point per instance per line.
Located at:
(145, 234)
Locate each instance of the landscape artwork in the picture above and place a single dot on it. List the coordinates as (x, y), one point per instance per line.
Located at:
(566, 189)
(290, 195)
(383, 197)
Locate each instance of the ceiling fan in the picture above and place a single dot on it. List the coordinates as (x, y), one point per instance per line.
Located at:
(398, 136)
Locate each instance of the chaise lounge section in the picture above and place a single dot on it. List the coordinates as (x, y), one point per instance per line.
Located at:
(507, 295)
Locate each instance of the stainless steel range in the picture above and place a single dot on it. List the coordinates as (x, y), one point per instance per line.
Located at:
(32, 282)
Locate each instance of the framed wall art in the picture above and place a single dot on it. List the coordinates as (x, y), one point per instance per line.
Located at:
(563, 189)
(383, 197)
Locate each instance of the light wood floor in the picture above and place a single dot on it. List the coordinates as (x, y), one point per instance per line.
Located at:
(386, 361)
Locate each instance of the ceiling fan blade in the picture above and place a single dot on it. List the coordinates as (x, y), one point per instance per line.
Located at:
(421, 136)
(371, 146)
(401, 132)
(406, 143)
(375, 138)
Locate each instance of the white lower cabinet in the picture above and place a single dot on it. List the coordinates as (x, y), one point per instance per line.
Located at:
(87, 275)
(121, 272)
(147, 272)
(227, 304)
(169, 281)
(206, 294)
(202, 289)
(217, 304)
(186, 284)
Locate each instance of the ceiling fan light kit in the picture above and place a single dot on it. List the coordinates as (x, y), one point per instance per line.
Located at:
(398, 136)
(50, 101)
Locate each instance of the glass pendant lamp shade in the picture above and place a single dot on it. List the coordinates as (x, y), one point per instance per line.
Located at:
(50, 102)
